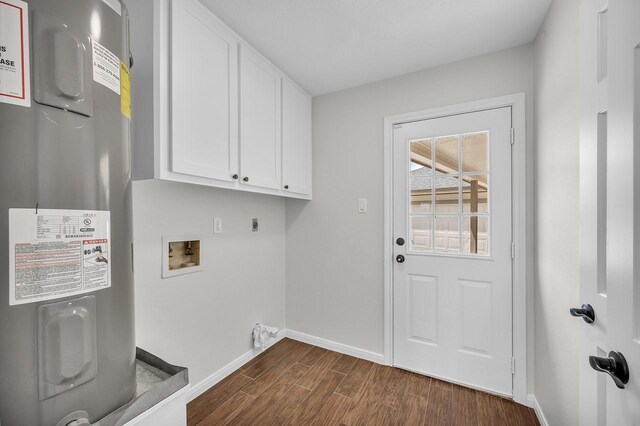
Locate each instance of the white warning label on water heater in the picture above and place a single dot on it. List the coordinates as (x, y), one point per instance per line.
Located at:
(15, 83)
(106, 67)
(57, 253)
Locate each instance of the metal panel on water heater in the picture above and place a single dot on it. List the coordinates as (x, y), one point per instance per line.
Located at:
(68, 148)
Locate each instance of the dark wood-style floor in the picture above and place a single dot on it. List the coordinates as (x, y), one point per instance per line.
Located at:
(299, 384)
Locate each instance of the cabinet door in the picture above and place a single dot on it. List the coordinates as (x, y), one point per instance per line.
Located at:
(204, 93)
(296, 140)
(260, 124)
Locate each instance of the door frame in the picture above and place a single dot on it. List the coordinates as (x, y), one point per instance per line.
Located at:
(521, 201)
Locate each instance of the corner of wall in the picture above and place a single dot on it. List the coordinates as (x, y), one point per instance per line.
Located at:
(556, 261)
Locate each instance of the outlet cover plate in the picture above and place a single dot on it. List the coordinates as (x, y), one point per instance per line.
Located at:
(217, 225)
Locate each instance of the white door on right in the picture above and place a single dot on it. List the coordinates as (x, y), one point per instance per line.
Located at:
(610, 213)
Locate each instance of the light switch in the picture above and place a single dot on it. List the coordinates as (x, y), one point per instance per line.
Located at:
(362, 205)
(217, 225)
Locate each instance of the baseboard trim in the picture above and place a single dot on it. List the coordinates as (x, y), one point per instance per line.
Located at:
(335, 346)
(204, 385)
(533, 403)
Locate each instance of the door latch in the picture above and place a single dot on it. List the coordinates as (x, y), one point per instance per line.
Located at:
(614, 365)
(586, 312)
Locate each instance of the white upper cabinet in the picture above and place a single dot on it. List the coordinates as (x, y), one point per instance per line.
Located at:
(296, 140)
(204, 103)
(260, 118)
(209, 110)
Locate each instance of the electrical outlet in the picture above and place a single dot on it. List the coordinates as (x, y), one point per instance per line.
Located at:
(254, 224)
(217, 225)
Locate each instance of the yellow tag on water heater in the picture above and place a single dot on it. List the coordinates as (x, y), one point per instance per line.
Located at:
(125, 91)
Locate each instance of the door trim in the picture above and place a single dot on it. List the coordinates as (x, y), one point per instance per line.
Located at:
(521, 201)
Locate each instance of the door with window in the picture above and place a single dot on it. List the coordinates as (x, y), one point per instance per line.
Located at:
(453, 248)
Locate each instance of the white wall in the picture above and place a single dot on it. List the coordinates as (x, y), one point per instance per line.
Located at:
(203, 320)
(335, 255)
(557, 118)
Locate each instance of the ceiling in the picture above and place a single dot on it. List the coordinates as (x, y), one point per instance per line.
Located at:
(329, 45)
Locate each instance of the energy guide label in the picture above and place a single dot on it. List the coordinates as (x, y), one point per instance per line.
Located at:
(57, 253)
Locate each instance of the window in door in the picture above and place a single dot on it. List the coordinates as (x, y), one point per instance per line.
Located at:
(449, 195)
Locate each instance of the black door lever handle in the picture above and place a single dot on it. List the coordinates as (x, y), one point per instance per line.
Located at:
(586, 312)
(614, 365)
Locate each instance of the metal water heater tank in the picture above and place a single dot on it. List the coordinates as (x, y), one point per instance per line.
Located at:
(66, 282)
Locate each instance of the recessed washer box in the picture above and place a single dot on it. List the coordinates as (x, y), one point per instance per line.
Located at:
(181, 254)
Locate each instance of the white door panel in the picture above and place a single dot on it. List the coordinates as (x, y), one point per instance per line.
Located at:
(204, 93)
(593, 212)
(260, 121)
(452, 205)
(422, 299)
(296, 140)
(623, 207)
(610, 246)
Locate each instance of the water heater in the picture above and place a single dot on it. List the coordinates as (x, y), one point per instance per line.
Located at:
(67, 349)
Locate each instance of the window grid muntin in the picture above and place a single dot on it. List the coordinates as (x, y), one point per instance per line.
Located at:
(461, 215)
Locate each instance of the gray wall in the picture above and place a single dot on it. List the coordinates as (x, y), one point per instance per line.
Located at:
(335, 255)
(557, 119)
(203, 320)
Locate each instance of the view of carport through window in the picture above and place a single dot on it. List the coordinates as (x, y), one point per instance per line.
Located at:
(452, 174)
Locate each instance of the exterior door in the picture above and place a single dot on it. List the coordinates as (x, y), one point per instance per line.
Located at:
(453, 248)
(610, 207)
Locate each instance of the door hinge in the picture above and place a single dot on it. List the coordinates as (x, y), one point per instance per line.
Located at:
(513, 250)
(513, 136)
(513, 365)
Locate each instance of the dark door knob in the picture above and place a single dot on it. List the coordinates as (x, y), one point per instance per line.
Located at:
(246, 179)
(286, 187)
(400, 241)
(614, 365)
(400, 258)
(235, 176)
(586, 312)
